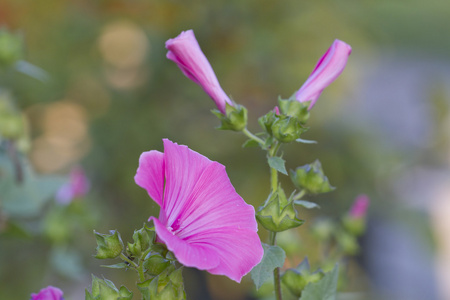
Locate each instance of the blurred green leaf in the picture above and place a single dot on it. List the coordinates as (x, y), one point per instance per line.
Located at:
(278, 164)
(324, 289)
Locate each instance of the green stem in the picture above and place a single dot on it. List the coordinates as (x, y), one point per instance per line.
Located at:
(139, 268)
(276, 271)
(253, 137)
(273, 179)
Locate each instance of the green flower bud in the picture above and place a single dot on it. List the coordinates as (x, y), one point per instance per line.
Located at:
(311, 178)
(347, 243)
(294, 108)
(143, 238)
(11, 48)
(323, 229)
(355, 226)
(105, 289)
(155, 264)
(297, 279)
(167, 285)
(267, 120)
(108, 245)
(287, 129)
(235, 118)
(278, 213)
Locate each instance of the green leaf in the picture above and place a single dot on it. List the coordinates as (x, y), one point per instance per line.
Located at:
(278, 164)
(306, 204)
(273, 257)
(250, 143)
(305, 141)
(324, 289)
(116, 266)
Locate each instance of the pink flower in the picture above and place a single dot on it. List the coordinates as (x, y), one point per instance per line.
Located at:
(328, 68)
(185, 51)
(359, 207)
(48, 293)
(78, 186)
(202, 220)
(276, 110)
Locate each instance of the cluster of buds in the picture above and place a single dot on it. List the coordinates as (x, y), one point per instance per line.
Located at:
(160, 278)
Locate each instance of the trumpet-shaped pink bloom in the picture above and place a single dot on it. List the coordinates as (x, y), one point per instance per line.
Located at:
(202, 220)
(185, 51)
(48, 293)
(328, 68)
(78, 186)
(359, 207)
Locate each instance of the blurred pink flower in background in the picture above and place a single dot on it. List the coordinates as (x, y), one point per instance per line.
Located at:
(202, 220)
(359, 207)
(328, 68)
(78, 186)
(185, 51)
(48, 293)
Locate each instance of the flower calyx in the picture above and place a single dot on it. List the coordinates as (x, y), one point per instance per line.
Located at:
(278, 213)
(311, 178)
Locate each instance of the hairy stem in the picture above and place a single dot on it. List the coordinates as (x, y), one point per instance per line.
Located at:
(253, 137)
(276, 271)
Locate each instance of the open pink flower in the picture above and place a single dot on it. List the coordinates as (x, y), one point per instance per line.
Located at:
(359, 207)
(202, 220)
(78, 186)
(48, 293)
(328, 68)
(185, 51)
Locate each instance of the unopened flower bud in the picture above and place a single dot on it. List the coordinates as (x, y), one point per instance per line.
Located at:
(108, 245)
(287, 129)
(105, 289)
(311, 178)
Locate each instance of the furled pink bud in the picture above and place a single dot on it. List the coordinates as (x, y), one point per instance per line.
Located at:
(359, 207)
(185, 51)
(276, 110)
(328, 68)
(78, 186)
(48, 293)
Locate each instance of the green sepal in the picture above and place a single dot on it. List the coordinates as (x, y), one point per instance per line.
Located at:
(108, 245)
(293, 108)
(143, 239)
(235, 117)
(355, 226)
(297, 279)
(116, 266)
(306, 204)
(311, 178)
(166, 286)
(278, 213)
(325, 288)
(267, 120)
(155, 264)
(287, 129)
(105, 289)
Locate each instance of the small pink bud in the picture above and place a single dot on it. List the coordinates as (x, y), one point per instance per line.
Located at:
(48, 293)
(78, 186)
(328, 68)
(185, 51)
(276, 110)
(359, 207)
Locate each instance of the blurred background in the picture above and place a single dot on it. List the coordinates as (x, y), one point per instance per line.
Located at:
(104, 92)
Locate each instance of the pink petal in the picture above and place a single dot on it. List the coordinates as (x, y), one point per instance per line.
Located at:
(48, 293)
(150, 174)
(360, 206)
(185, 51)
(203, 221)
(328, 68)
(190, 255)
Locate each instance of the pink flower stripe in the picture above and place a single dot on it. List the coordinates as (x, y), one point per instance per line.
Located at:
(202, 220)
(360, 207)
